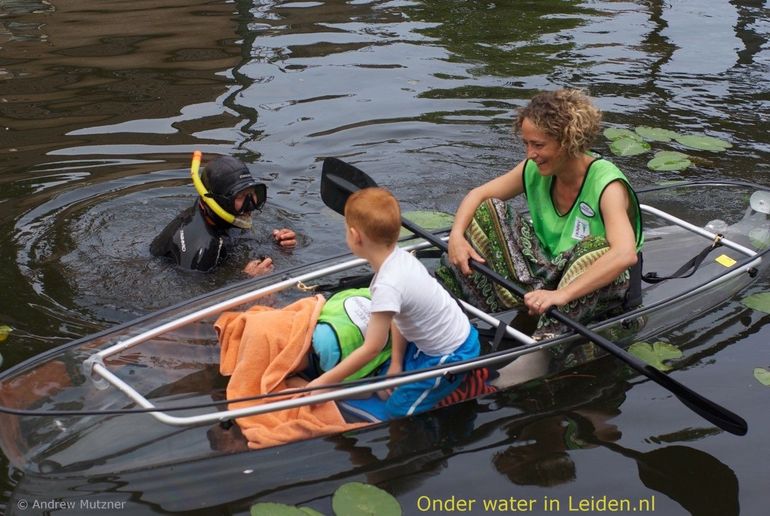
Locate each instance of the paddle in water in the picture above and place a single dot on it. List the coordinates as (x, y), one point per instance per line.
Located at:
(340, 179)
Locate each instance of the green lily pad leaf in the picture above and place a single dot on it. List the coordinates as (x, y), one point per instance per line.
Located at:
(762, 375)
(759, 302)
(656, 353)
(4, 331)
(614, 133)
(358, 499)
(701, 142)
(669, 160)
(760, 238)
(310, 512)
(275, 509)
(430, 220)
(655, 134)
(629, 146)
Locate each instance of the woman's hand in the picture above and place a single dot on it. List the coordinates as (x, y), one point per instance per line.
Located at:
(285, 238)
(461, 252)
(258, 267)
(539, 301)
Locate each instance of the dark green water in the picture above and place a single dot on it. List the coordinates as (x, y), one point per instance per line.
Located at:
(102, 103)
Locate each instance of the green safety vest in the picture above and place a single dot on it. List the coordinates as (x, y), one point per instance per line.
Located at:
(348, 313)
(559, 233)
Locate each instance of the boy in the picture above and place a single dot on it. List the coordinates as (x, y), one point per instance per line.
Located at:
(428, 328)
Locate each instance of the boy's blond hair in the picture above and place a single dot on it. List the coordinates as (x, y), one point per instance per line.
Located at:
(375, 213)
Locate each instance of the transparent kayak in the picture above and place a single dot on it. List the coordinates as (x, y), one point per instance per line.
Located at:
(148, 394)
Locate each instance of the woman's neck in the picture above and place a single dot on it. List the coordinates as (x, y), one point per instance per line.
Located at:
(573, 171)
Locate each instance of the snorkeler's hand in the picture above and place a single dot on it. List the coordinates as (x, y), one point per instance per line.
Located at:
(461, 252)
(258, 267)
(285, 237)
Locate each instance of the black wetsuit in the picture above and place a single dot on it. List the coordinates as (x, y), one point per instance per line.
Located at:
(192, 241)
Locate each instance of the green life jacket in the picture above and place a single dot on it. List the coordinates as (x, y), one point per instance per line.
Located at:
(348, 313)
(559, 233)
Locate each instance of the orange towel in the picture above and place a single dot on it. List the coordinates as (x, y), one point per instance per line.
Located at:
(260, 347)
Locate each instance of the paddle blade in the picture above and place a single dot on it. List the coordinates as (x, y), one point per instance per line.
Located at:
(700, 483)
(339, 180)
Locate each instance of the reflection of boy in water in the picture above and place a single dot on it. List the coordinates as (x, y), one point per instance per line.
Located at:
(196, 238)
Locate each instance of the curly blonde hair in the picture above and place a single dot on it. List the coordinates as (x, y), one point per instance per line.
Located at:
(566, 115)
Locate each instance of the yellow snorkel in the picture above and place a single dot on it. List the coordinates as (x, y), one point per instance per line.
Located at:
(201, 189)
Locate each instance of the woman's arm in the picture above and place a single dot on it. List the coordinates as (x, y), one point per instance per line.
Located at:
(621, 255)
(503, 187)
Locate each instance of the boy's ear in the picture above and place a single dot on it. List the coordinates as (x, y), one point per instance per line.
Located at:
(355, 234)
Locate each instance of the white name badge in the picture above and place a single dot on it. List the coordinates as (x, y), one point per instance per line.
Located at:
(358, 309)
(581, 229)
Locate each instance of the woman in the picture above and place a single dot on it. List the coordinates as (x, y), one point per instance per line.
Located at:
(585, 229)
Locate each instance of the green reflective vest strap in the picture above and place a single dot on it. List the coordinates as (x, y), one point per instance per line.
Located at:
(348, 313)
(559, 233)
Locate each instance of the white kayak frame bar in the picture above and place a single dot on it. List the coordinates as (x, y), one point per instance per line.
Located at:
(97, 371)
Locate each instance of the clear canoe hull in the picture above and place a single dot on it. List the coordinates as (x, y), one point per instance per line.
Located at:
(170, 358)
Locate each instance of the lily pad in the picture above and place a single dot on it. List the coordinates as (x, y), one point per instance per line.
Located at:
(655, 134)
(669, 160)
(759, 302)
(760, 238)
(310, 512)
(701, 142)
(625, 146)
(275, 509)
(762, 375)
(656, 353)
(358, 499)
(614, 133)
(430, 220)
(4, 331)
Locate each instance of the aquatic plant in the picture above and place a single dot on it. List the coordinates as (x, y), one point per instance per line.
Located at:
(351, 499)
(430, 220)
(759, 302)
(762, 375)
(669, 161)
(656, 353)
(625, 142)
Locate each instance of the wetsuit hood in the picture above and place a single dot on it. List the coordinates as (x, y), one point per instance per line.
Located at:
(223, 178)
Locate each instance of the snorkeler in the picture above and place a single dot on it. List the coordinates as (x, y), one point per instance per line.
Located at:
(197, 238)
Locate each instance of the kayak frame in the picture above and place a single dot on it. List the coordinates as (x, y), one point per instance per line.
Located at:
(96, 370)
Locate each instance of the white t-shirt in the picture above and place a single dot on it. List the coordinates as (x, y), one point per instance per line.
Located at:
(425, 313)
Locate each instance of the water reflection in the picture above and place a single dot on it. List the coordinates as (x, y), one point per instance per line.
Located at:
(544, 448)
(101, 104)
(112, 65)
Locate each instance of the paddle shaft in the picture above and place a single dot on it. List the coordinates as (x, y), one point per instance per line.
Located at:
(711, 411)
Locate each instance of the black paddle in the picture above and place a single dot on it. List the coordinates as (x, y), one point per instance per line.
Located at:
(340, 179)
